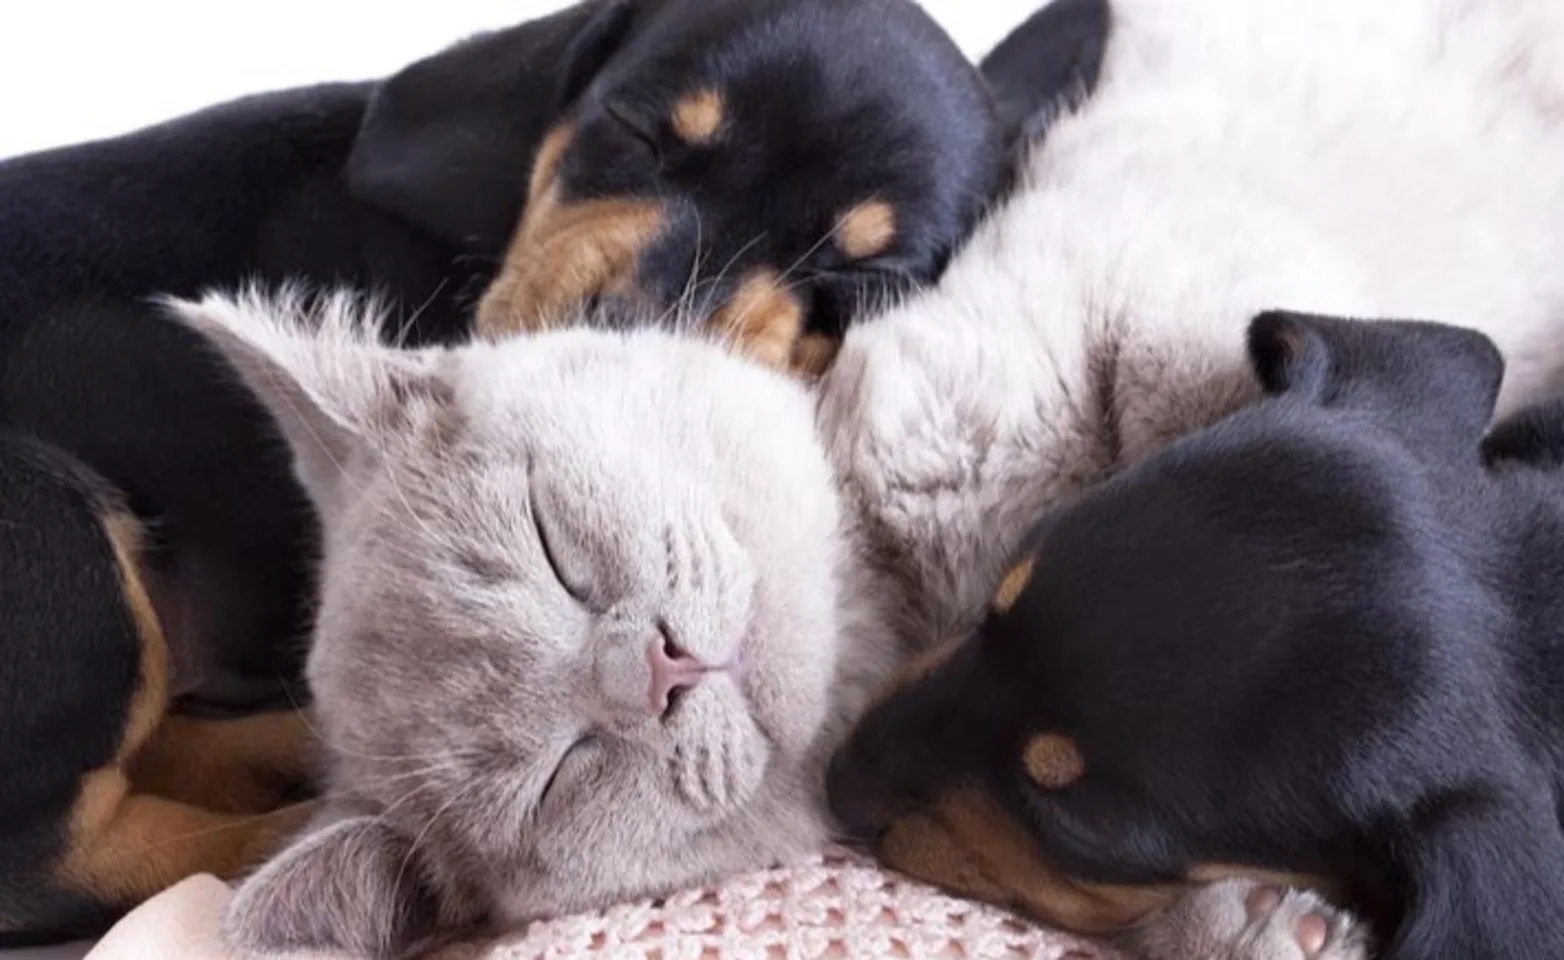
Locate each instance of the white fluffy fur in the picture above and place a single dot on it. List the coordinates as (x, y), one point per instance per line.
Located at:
(1393, 158)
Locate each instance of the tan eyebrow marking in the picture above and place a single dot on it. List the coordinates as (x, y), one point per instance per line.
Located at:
(1053, 760)
(866, 229)
(698, 116)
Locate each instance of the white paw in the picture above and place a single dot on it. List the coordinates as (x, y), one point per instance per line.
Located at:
(1243, 920)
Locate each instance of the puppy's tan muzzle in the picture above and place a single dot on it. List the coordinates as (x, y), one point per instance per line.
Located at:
(567, 254)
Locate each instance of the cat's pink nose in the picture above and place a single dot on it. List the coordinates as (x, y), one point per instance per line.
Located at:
(673, 672)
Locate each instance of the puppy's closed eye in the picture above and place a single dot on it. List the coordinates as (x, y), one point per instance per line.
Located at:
(635, 129)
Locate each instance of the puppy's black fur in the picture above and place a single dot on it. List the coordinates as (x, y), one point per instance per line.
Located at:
(1321, 638)
(778, 163)
(158, 551)
(1047, 66)
(71, 652)
(248, 191)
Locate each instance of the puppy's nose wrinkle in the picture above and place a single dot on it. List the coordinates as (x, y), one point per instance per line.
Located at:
(673, 672)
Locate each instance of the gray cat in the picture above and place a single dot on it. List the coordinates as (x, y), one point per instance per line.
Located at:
(583, 629)
(592, 619)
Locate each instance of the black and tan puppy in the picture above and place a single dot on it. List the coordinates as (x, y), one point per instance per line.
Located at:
(768, 163)
(1320, 642)
(774, 166)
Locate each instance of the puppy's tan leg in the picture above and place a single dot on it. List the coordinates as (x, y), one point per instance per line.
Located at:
(124, 847)
(240, 765)
(121, 846)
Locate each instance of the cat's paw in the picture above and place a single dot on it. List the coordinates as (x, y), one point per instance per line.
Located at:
(1287, 924)
(1243, 920)
(349, 886)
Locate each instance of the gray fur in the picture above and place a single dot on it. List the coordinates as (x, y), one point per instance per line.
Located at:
(452, 670)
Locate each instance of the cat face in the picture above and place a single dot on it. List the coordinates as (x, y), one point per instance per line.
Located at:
(578, 624)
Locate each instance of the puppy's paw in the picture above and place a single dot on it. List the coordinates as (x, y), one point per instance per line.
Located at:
(1242, 920)
(1287, 924)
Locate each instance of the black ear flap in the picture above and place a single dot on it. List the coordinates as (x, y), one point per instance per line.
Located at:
(1288, 354)
(447, 144)
(1047, 66)
(348, 886)
(1434, 383)
(1533, 436)
(1482, 877)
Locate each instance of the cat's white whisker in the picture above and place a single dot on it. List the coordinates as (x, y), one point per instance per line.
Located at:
(411, 319)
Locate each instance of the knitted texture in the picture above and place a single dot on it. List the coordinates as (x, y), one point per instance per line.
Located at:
(837, 905)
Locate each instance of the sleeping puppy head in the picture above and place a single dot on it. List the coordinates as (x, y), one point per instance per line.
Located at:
(1257, 653)
(769, 166)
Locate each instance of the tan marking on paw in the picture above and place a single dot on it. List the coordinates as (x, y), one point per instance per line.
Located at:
(227, 765)
(124, 847)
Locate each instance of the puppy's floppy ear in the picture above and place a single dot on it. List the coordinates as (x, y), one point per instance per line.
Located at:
(1289, 353)
(1534, 436)
(447, 144)
(1434, 383)
(349, 886)
(1047, 66)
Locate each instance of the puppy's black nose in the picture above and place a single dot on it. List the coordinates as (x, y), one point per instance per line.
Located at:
(850, 794)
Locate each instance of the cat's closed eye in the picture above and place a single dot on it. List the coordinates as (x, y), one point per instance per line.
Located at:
(576, 591)
(572, 757)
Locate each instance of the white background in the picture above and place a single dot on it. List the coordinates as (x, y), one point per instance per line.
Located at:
(78, 69)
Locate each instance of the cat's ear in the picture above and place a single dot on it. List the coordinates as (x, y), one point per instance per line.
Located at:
(349, 887)
(1434, 383)
(318, 366)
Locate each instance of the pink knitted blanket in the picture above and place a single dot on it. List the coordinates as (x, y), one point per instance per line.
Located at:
(835, 906)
